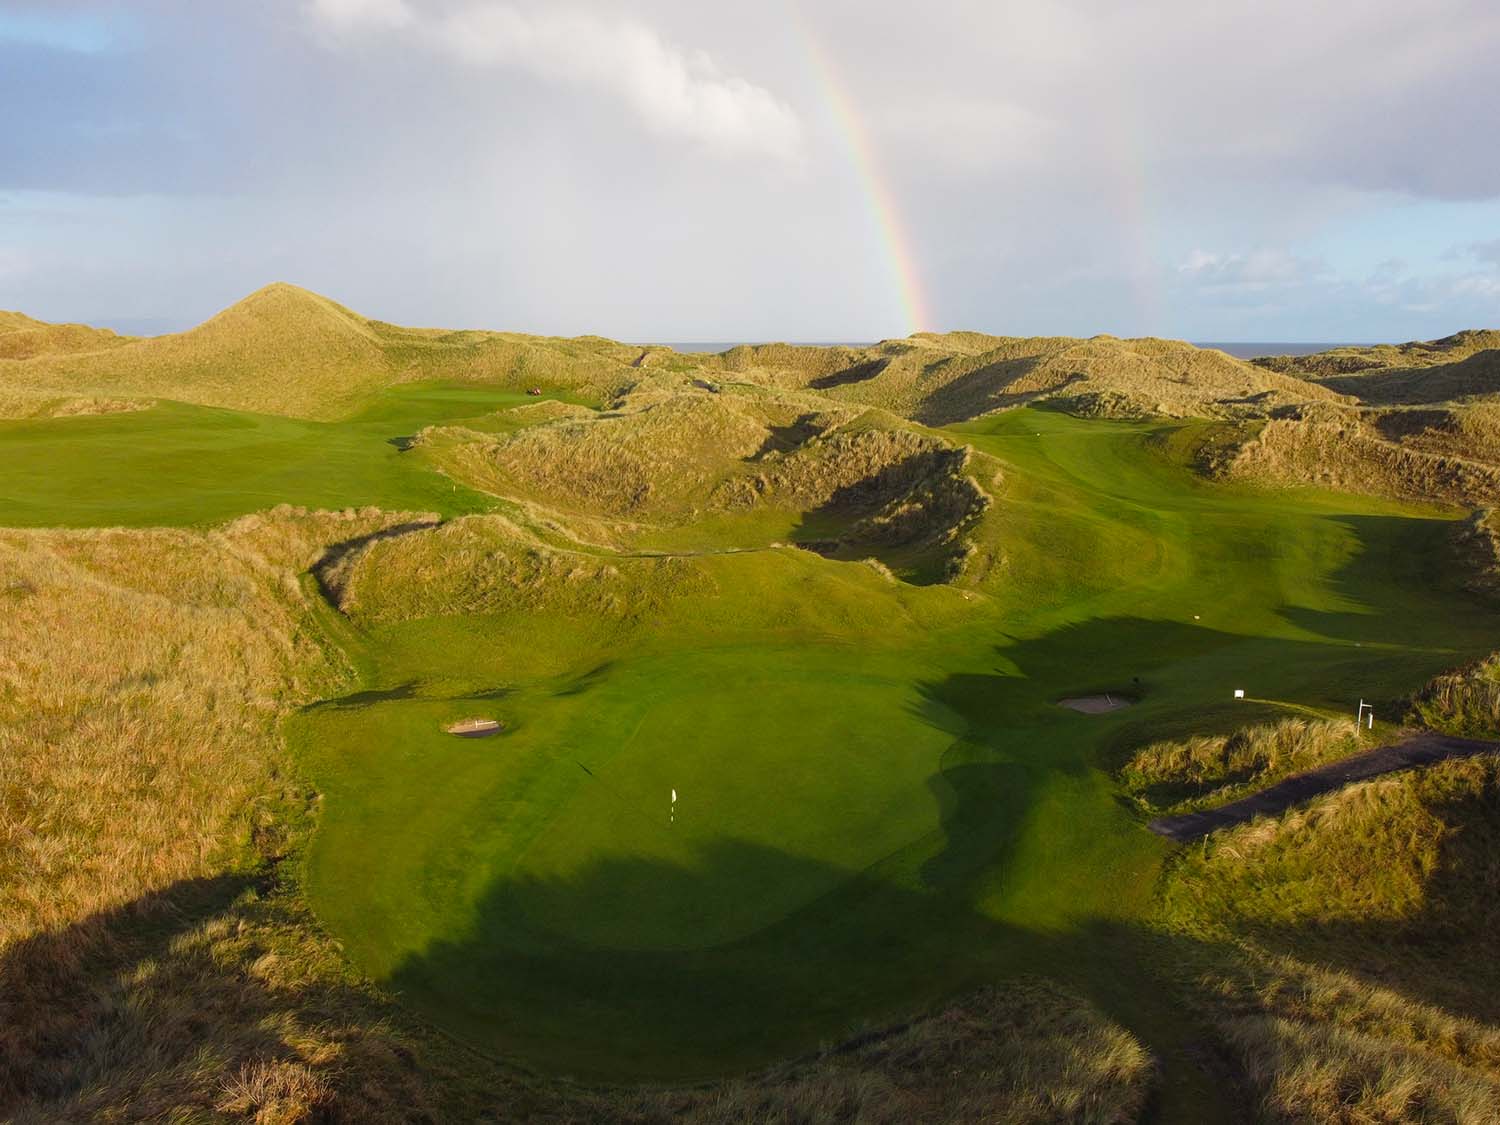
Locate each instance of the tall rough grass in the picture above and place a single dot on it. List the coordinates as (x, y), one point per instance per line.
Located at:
(1025, 1053)
(1465, 702)
(148, 969)
(1359, 982)
(283, 350)
(488, 565)
(1342, 449)
(1207, 770)
(939, 379)
(287, 351)
(656, 457)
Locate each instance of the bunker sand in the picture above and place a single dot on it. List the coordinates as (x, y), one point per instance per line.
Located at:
(1095, 704)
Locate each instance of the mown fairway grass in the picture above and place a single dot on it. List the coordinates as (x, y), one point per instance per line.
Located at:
(878, 799)
(177, 464)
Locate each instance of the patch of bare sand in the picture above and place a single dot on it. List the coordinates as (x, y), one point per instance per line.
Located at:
(1095, 704)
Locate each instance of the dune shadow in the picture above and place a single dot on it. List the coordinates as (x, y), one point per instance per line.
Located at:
(53, 1011)
(359, 699)
(984, 390)
(589, 680)
(857, 373)
(864, 955)
(786, 439)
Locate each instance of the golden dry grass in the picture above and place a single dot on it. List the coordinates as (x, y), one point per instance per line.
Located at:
(1461, 367)
(143, 971)
(287, 351)
(21, 337)
(1344, 449)
(1318, 1044)
(1025, 1053)
(284, 350)
(1415, 354)
(657, 455)
(1357, 981)
(1465, 702)
(488, 565)
(1362, 854)
(1207, 770)
(938, 379)
(24, 404)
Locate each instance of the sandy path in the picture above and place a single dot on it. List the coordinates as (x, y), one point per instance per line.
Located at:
(1418, 750)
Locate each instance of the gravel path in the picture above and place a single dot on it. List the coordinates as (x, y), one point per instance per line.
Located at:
(1418, 750)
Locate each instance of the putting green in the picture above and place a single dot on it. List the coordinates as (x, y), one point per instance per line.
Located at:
(809, 753)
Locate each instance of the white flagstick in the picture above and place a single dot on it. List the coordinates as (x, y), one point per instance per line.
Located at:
(672, 812)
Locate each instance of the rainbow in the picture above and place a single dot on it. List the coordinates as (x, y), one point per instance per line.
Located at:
(885, 214)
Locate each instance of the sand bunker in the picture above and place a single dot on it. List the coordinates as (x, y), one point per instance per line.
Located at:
(474, 728)
(1095, 704)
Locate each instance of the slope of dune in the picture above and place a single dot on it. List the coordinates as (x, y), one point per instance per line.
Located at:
(23, 337)
(1460, 367)
(938, 379)
(285, 350)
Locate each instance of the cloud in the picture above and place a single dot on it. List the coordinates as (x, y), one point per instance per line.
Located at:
(1256, 271)
(1476, 285)
(1485, 251)
(13, 264)
(673, 91)
(345, 15)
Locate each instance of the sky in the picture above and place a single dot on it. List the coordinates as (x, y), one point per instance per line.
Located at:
(695, 170)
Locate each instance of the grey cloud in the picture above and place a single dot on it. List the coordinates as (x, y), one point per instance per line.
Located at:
(1486, 251)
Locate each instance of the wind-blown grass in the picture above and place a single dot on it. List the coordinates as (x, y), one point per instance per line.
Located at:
(1395, 883)
(1207, 770)
(1464, 702)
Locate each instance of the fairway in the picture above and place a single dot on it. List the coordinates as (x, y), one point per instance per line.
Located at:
(175, 464)
(879, 799)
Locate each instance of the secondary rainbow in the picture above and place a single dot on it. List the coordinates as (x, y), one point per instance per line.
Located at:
(885, 214)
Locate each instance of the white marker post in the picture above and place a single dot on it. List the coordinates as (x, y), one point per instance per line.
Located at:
(1359, 716)
(672, 812)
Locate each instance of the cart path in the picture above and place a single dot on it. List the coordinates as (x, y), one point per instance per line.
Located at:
(1417, 750)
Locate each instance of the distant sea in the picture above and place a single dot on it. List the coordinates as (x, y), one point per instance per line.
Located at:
(1251, 349)
(725, 345)
(1241, 349)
